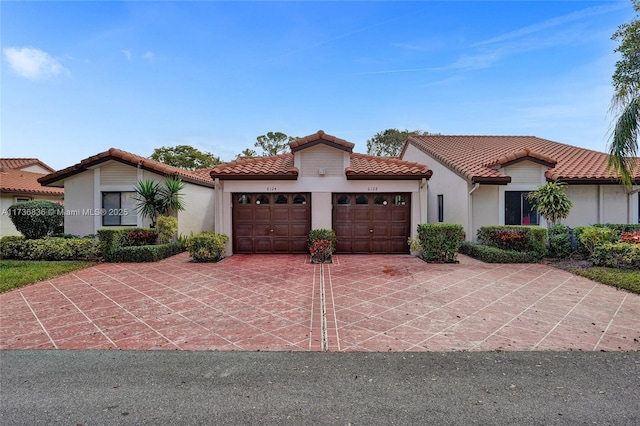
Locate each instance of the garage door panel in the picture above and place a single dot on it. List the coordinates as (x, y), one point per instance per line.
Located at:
(399, 214)
(299, 214)
(299, 231)
(359, 214)
(279, 224)
(374, 227)
(262, 214)
(380, 214)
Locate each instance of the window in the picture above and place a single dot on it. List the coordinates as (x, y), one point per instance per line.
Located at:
(244, 199)
(262, 199)
(398, 200)
(299, 199)
(362, 199)
(440, 208)
(282, 199)
(517, 210)
(119, 208)
(22, 199)
(344, 199)
(380, 199)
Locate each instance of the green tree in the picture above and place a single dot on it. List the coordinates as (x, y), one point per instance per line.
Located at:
(248, 152)
(153, 199)
(185, 157)
(273, 143)
(389, 142)
(551, 202)
(626, 99)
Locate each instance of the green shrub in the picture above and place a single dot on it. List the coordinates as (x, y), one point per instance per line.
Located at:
(167, 226)
(37, 219)
(440, 241)
(49, 248)
(490, 254)
(323, 234)
(12, 247)
(207, 246)
(595, 236)
(560, 241)
(617, 255)
(149, 253)
(619, 228)
(114, 237)
(530, 239)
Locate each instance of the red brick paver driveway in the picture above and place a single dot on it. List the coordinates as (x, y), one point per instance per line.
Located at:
(359, 303)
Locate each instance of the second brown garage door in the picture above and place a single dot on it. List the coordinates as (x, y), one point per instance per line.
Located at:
(372, 223)
(271, 223)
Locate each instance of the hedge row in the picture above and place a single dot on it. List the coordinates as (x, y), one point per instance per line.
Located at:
(490, 254)
(617, 255)
(531, 239)
(149, 253)
(49, 248)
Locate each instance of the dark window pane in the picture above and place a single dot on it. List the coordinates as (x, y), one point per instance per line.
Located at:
(299, 199)
(529, 216)
(282, 199)
(362, 199)
(440, 208)
(262, 199)
(344, 199)
(244, 199)
(110, 204)
(398, 200)
(380, 199)
(512, 208)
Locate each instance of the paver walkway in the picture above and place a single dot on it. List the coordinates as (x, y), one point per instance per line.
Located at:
(283, 303)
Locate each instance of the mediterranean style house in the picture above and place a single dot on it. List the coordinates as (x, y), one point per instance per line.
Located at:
(269, 204)
(483, 180)
(19, 183)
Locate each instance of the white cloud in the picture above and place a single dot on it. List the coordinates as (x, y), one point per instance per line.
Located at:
(33, 63)
(148, 56)
(127, 53)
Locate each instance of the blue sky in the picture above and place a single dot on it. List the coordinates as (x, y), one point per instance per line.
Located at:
(80, 77)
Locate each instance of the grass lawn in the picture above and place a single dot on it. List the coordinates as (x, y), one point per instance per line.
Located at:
(18, 273)
(622, 278)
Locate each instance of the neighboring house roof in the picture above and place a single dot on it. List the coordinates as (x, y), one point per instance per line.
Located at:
(281, 167)
(478, 158)
(199, 178)
(20, 163)
(15, 181)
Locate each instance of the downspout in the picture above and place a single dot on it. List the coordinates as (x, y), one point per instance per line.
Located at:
(470, 211)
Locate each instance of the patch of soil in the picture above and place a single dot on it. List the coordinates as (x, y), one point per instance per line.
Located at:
(569, 264)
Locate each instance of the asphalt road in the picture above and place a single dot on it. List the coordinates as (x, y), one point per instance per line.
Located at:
(225, 388)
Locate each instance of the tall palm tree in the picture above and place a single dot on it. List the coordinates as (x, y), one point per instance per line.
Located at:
(626, 100)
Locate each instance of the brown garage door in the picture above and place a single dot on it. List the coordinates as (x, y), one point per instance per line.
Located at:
(372, 223)
(271, 223)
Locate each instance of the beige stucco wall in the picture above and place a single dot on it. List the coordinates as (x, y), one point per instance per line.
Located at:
(7, 200)
(485, 208)
(79, 204)
(585, 210)
(199, 210)
(454, 189)
(36, 168)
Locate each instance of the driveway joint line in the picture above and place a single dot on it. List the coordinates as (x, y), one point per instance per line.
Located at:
(333, 307)
(323, 311)
(84, 314)
(127, 310)
(39, 322)
(566, 315)
(611, 321)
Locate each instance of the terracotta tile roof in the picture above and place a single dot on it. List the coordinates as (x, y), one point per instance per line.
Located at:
(202, 179)
(371, 167)
(274, 167)
(477, 158)
(321, 137)
(19, 163)
(281, 167)
(17, 181)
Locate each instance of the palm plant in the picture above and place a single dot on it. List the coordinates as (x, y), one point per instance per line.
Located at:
(153, 200)
(626, 100)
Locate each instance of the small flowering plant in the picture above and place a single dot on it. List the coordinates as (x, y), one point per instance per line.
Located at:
(321, 251)
(631, 237)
